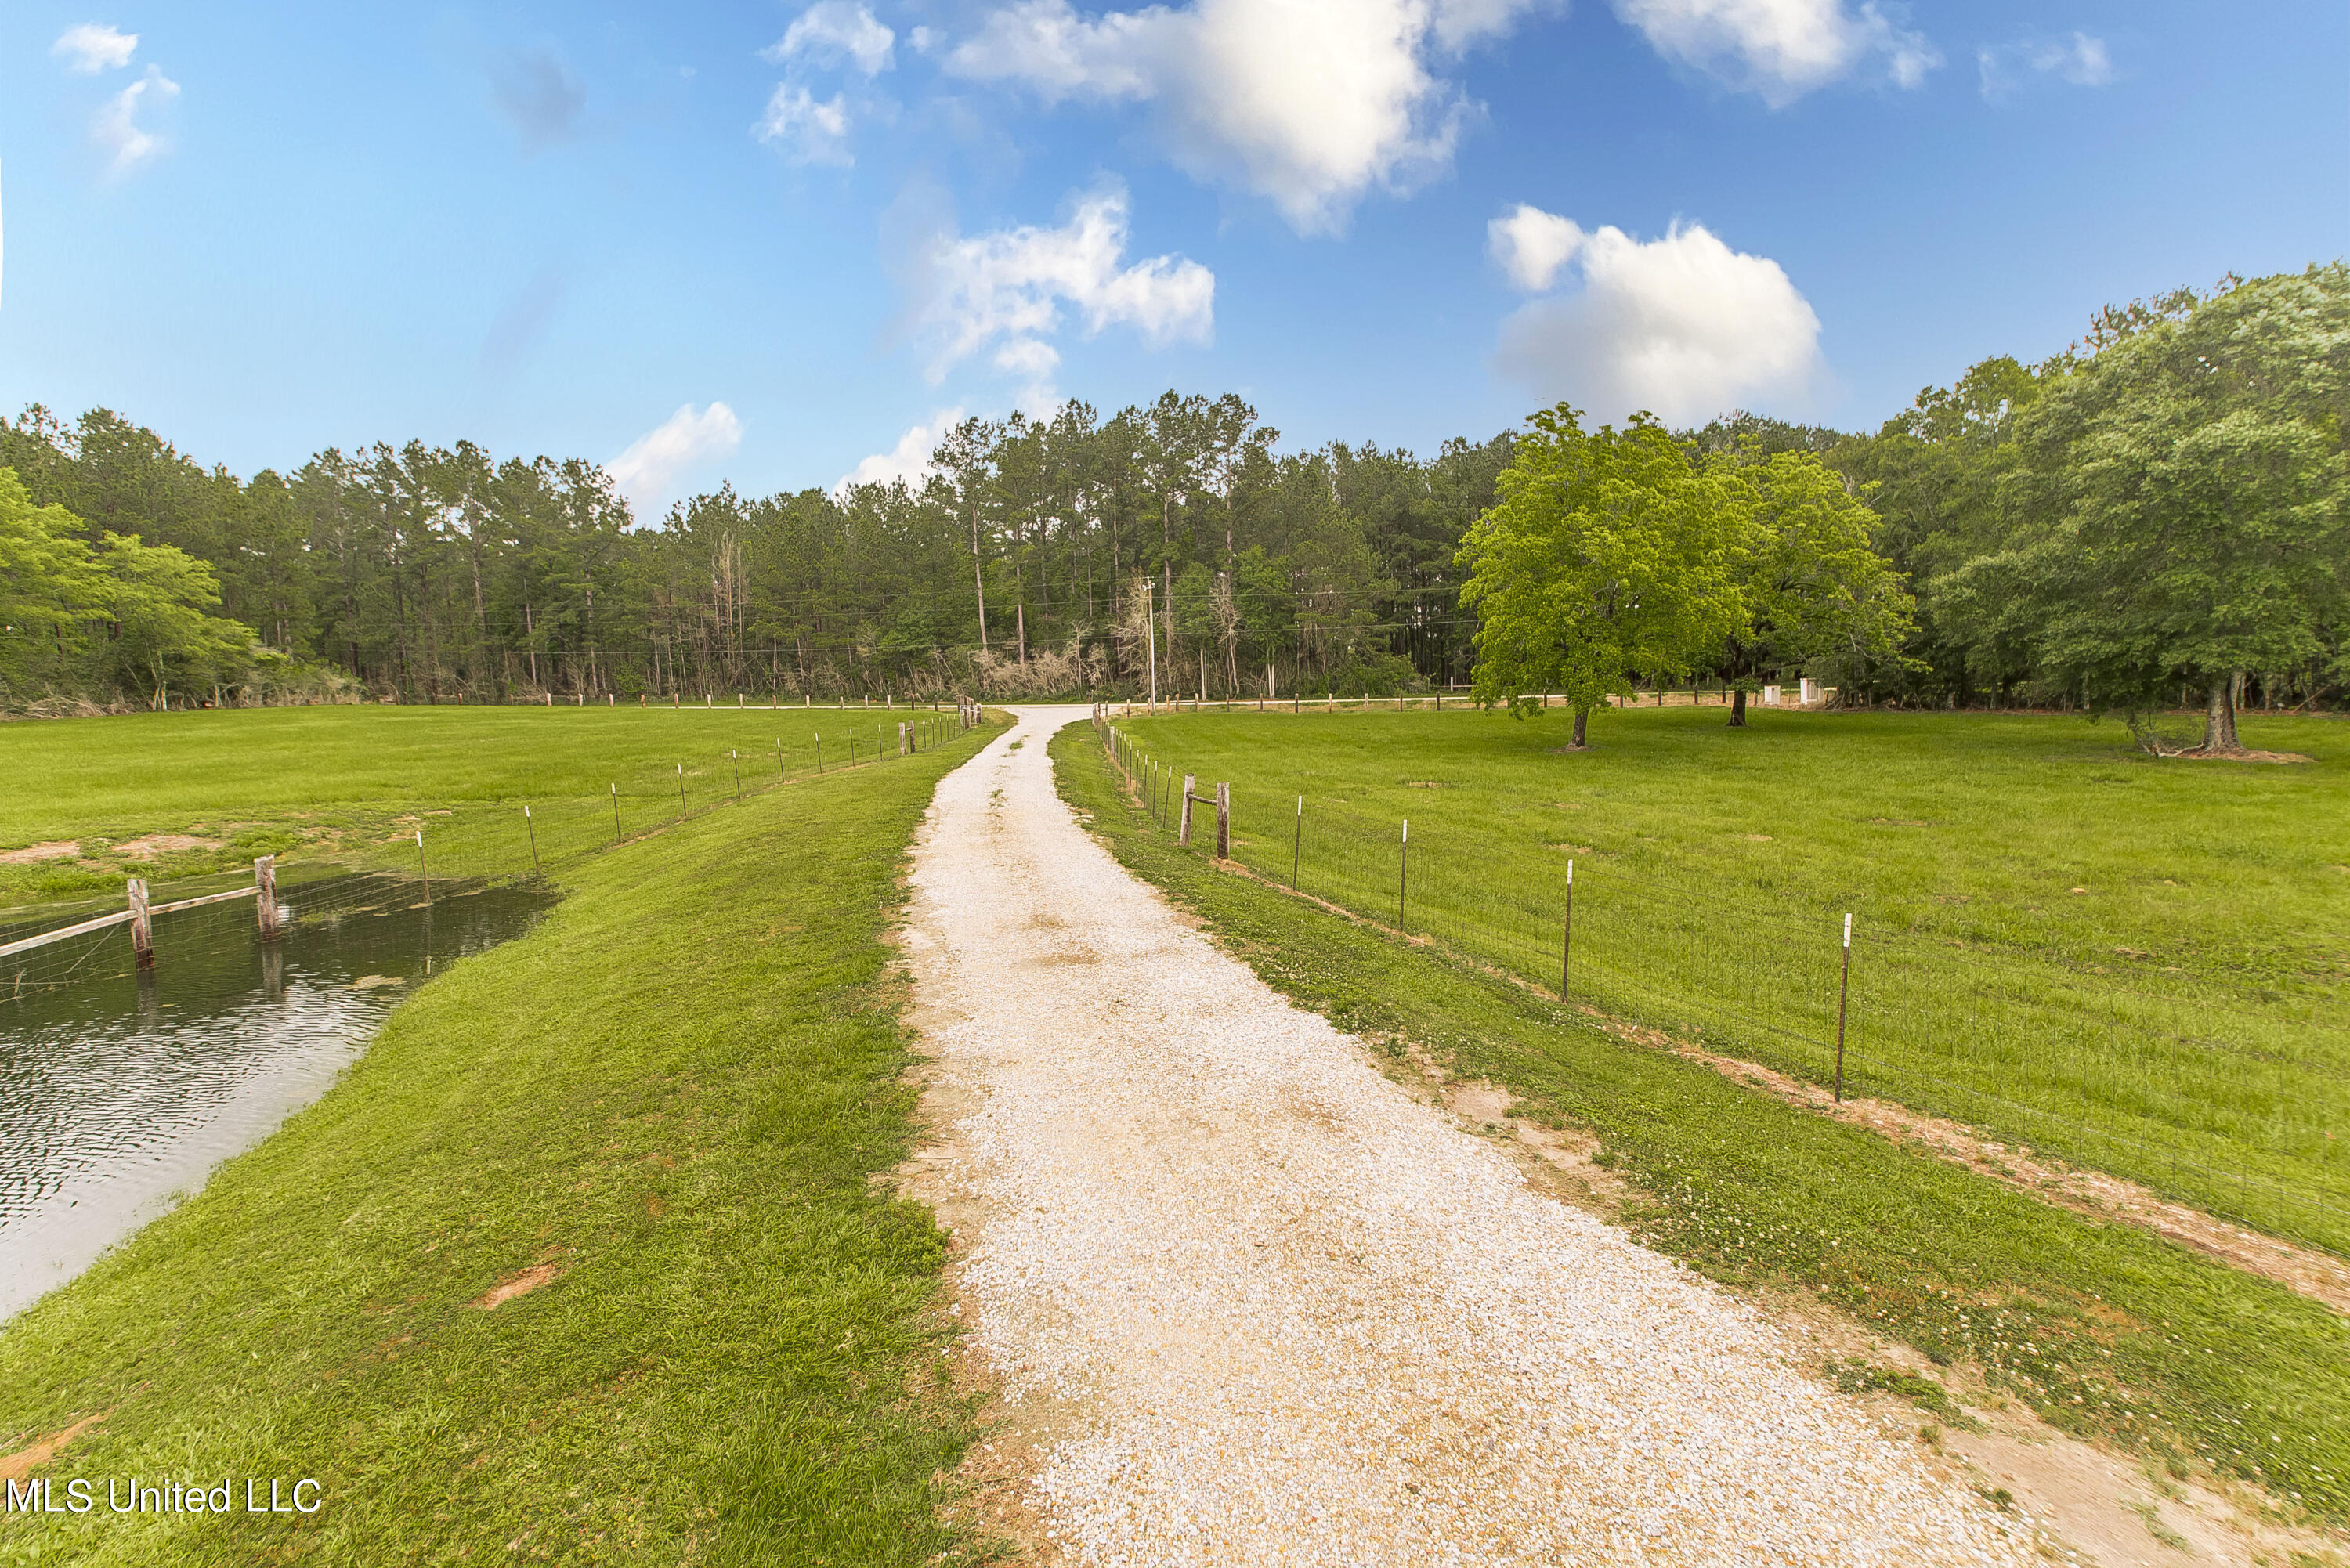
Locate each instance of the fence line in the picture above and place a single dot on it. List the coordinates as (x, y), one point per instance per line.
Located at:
(2225, 1109)
(479, 844)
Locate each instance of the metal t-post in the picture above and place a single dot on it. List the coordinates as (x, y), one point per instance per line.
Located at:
(1566, 934)
(1298, 845)
(1844, 991)
(1403, 867)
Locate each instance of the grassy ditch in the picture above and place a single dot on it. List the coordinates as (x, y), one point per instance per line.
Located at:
(2106, 1331)
(2140, 965)
(666, 1107)
(176, 794)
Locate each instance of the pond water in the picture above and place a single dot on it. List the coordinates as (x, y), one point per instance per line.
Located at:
(121, 1090)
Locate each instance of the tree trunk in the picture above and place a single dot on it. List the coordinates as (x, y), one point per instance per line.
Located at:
(2219, 718)
(1738, 709)
(1581, 716)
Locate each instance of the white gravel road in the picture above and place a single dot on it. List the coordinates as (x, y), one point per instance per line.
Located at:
(1301, 1317)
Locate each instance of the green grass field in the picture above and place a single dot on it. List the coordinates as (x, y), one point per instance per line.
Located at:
(679, 1090)
(2106, 1331)
(353, 783)
(2140, 965)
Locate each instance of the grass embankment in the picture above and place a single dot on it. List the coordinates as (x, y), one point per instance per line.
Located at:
(2142, 965)
(2104, 1330)
(677, 1092)
(352, 783)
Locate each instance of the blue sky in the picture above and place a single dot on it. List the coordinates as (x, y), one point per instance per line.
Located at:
(771, 243)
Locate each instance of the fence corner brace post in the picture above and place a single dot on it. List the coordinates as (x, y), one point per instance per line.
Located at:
(1224, 821)
(1183, 836)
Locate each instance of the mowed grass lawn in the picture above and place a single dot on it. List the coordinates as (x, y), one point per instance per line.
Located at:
(353, 783)
(2106, 1329)
(675, 1098)
(2139, 964)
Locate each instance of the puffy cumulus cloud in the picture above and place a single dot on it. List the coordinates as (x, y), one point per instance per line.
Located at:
(2078, 59)
(90, 47)
(648, 472)
(126, 143)
(1684, 327)
(832, 33)
(910, 461)
(1309, 103)
(1532, 246)
(809, 130)
(1011, 289)
(1780, 50)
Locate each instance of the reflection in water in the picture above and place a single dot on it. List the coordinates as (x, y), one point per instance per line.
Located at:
(120, 1091)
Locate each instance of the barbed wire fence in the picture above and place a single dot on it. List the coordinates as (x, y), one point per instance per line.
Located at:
(2152, 1076)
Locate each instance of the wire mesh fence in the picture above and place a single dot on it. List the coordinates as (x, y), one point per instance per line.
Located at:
(2153, 1076)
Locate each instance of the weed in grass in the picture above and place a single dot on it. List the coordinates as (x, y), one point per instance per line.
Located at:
(1855, 1376)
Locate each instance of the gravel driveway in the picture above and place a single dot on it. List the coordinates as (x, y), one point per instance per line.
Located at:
(1297, 1315)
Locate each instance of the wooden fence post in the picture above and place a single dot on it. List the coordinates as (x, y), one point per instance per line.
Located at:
(1224, 821)
(265, 896)
(1183, 836)
(142, 925)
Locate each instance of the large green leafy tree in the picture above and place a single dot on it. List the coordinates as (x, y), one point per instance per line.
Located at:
(1611, 556)
(50, 591)
(161, 638)
(2179, 514)
(1810, 585)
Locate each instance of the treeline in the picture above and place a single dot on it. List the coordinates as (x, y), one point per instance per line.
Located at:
(1024, 565)
(2107, 528)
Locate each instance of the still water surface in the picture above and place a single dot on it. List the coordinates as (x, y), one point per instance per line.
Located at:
(118, 1093)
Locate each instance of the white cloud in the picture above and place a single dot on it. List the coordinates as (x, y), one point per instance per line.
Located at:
(1008, 289)
(910, 459)
(2078, 59)
(1310, 103)
(656, 460)
(87, 47)
(1684, 327)
(832, 31)
(1532, 246)
(810, 130)
(117, 130)
(1780, 50)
